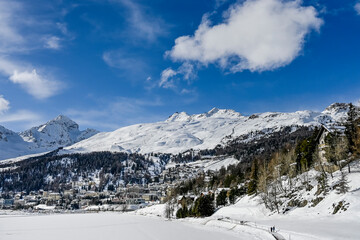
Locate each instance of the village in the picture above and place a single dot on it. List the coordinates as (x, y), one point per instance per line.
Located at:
(85, 194)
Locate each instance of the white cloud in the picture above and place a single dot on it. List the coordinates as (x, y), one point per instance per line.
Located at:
(23, 35)
(20, 120)
(33, 30)
(40, 86)
(257, 35)
(52, 42)
(4, 105)
(169, 77)
(35, 84)
(357, 8)
(8, 67)
(166, 80)
(20, 116)
(143, 24)
(10, 38)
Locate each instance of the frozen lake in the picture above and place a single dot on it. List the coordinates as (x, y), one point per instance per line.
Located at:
(107, 226)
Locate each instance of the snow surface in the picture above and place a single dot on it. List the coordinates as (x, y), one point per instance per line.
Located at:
(181, 132)
(109, 226)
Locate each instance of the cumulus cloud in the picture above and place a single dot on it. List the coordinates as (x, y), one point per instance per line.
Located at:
(39, 84)
(4, 105)
(357, 8)
(35, 84)
(257, 35)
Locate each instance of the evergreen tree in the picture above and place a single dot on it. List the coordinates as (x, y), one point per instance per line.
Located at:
(323, 183)
(232, 195)
(254, 175)
(305, 151)
(350, 130)
(221, 198)
(343, 186)
(204, 206)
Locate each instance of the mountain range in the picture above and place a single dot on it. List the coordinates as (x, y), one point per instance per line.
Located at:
(58, 132)
(179, 133)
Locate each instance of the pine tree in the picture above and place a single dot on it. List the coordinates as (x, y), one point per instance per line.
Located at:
(252, 187)
(323, 183)
(204, 206)
(232, 195)
(221, 198)
(343, 186)
(350, 130)
(304, 152)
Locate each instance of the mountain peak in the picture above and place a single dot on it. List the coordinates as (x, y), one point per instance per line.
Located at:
(336, 107)
(223, 113)
(62, 118)
(177, 117)
(213, 111)
(58, 132)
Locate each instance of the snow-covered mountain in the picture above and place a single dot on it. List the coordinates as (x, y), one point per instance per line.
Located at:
(182, 131)
(59, 132)
(12, 145)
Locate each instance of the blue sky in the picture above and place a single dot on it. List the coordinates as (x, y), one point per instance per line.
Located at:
(112, 63)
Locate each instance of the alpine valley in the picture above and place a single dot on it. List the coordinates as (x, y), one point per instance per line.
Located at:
(235, 170)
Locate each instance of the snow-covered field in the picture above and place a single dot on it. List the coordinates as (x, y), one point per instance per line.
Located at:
(110, 226)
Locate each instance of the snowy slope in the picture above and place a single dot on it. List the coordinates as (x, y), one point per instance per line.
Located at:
(309, 221)
(56, 133)
(182, 131)
(59, 132)
(12, 145)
